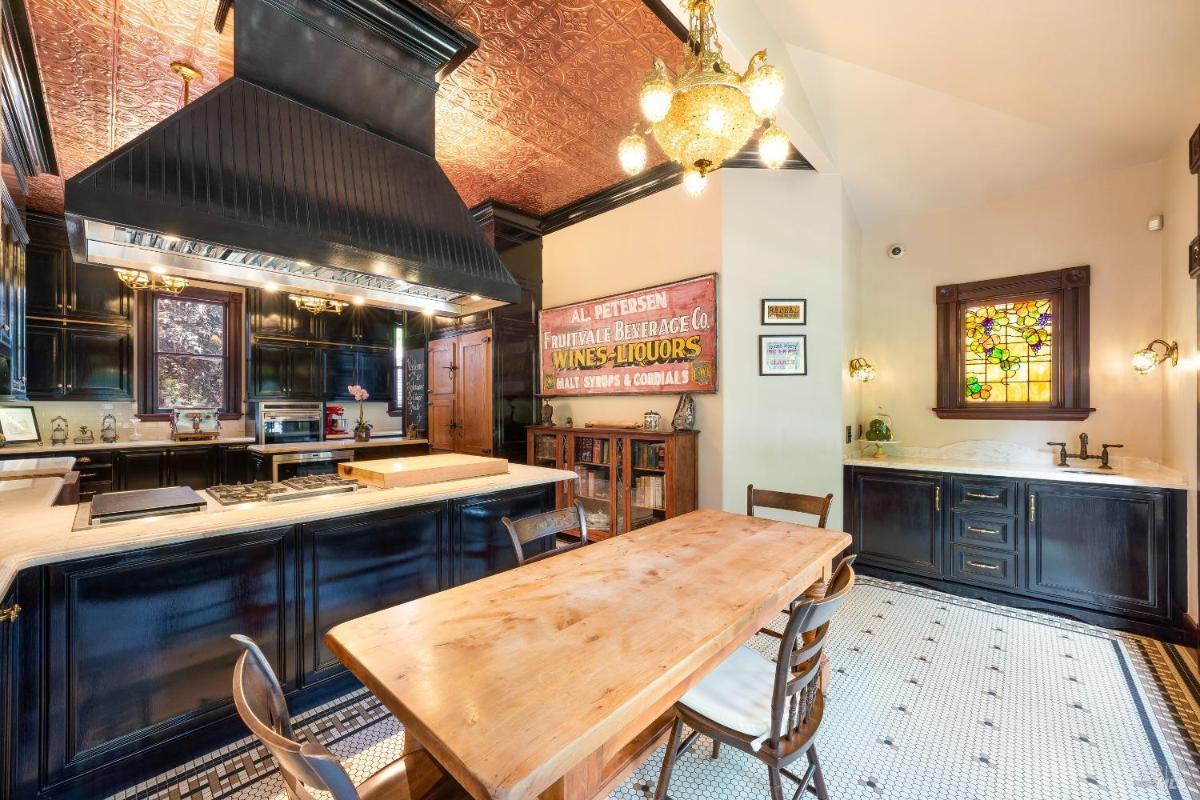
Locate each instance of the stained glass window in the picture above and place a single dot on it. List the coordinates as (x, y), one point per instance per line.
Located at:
(1009, 352)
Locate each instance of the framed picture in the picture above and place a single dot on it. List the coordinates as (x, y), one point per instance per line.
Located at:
(19, 424)
(783, 355)
(785, 312)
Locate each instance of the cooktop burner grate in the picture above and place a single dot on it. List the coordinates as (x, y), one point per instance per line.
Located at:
(245, 492)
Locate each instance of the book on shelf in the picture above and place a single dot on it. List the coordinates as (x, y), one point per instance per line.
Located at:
(544, 448)
(649, 455)
(592, 450)
(648, 491)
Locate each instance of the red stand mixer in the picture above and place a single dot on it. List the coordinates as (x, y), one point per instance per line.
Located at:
(335, 421)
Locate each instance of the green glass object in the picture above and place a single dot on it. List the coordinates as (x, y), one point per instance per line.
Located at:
(878, 431)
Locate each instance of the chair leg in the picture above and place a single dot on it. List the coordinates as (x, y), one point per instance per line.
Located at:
(818, 775)
(776, 783)
(668, 764)
(716, 751)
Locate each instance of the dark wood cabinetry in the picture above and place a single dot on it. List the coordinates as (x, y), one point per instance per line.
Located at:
(296, 356)
(93, 706)
(1110, 555)
(898, 520)
(141, 469)
(79, 337)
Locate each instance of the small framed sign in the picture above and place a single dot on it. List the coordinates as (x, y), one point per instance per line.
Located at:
(783, 355)
(19, 424)
(785, 312)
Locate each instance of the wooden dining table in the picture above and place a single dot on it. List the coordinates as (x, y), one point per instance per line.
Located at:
(555, 678)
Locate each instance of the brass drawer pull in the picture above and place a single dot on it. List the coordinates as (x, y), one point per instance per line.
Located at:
(982, 496)
(88, 474)
(981, 565)
(987, 531)
(83, 460)
(10, 614)
(937, 498)
(1033, 508)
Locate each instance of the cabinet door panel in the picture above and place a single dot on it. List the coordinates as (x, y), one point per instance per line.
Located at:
(142, 469)
(45, 370)
(99, 363)
(475, 398)
(362, 564)
(97, 293)
(140, 643)
(481, 545)
(192, 466)
(45, 274)
(304, 373)
(442, 394)
(374, 373)
(899, 524)
(375, 326)
(269, 370)
(1099, 546)
(340, 372)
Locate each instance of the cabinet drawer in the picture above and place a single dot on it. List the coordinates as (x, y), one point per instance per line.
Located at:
(983, 530)
(983, 567)
(90, 473)
(984, 494)
(90, 461)
(89, 490)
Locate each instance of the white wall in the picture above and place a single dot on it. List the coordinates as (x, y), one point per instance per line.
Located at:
(782, 236)
(1099, 221)
(658, 239)
(1179, 324)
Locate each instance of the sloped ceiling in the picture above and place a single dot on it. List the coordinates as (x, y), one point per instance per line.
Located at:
(531, 119)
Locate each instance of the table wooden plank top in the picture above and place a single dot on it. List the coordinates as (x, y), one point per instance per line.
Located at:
(513, 680)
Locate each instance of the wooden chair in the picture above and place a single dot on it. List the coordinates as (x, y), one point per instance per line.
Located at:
(310, 765)
(786, 501)
(543, 526)
(770, 711)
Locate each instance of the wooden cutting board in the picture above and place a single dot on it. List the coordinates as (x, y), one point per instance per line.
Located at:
(391, 473)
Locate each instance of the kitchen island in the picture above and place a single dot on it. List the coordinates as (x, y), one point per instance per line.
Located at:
(119, 658)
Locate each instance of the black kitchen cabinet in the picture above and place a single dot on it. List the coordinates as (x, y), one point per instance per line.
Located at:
(46, 277)
(193, 466)
(141, 469)
(898, 520)
(1109, 555)
(341, 371)
(358, 565)
(371, 369)
(285, 372)
(96, 473)
(8, 689)
(273, 314)
(376, 373)
(79, 362)
(59, 287)
(1098, 546)
(139, 650)
(233, 464)
(375, 326)
(478, 549)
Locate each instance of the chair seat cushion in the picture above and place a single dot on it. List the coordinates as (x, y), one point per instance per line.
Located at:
(737, 695)
(416, 776)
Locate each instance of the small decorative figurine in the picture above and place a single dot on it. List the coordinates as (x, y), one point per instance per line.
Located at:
(108, 429)
(58, 430)
(685, 414)
(547, 412)
(650, 421)
(85, 436)
(570, 423)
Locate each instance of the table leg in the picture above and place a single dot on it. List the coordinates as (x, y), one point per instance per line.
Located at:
(411, 744)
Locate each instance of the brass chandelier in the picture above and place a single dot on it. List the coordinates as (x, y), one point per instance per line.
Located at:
(140, 281)
(706, 113)
(318, 305)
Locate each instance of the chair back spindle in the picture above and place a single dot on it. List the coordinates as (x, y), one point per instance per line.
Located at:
(543, 526)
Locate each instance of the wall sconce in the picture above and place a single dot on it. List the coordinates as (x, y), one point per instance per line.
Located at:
(1145, 360)
(861, 369)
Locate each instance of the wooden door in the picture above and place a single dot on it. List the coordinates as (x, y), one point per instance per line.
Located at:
(475, 393)
(443, 393)
(897, 520)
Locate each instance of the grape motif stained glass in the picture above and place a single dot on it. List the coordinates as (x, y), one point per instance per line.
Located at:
(1009, 352)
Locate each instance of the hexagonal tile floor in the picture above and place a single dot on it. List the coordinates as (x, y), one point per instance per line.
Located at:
(931, 697)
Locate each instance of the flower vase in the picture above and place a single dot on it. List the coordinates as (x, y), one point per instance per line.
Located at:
(362, 433)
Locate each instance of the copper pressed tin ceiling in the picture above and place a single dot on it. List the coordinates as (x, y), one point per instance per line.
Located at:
(532, 119)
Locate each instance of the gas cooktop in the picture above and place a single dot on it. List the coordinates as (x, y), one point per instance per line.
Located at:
(290, 489)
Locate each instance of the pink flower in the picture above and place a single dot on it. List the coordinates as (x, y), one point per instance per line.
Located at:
(358, 393)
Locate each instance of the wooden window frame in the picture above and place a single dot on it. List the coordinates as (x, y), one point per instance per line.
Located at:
(147, 364)
(1068, 291)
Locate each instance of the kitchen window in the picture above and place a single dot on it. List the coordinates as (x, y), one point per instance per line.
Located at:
(1014, 348)
(398, 338)
(191, 353)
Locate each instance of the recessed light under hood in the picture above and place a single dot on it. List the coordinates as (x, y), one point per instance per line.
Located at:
(312, 172)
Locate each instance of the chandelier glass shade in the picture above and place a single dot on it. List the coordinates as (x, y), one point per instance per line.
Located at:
(705, 114)
(140, 281)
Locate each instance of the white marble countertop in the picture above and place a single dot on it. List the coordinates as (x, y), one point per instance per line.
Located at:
(38, 449)
(334, 444)
(1130, 472)
(374, 435)
(19, 468)
(33, 531)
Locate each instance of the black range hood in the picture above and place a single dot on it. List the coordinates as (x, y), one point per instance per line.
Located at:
(310, 169)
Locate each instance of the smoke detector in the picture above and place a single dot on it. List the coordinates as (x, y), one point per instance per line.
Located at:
(896, 250)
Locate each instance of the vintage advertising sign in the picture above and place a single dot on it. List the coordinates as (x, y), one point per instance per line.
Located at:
(661, 340)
